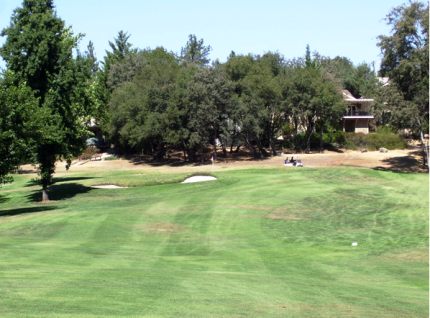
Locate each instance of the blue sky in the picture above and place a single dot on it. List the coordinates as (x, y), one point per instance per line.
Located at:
(331, 27)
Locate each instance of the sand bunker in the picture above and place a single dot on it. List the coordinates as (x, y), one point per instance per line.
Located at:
(199, 179)
(107, 186)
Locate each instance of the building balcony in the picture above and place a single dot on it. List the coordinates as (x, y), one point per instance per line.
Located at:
(355, 114)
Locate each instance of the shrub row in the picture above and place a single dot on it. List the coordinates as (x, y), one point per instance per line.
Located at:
(353, 141)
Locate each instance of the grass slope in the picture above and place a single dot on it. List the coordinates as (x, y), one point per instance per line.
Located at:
(254, 243)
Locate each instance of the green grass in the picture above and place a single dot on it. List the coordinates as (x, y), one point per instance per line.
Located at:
(254, 243)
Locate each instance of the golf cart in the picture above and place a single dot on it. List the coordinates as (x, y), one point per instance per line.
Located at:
(293, 161)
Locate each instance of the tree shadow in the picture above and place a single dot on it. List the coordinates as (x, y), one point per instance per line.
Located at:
(58, 180)
(19, 211)
(403, 164)
(67, 179)
(3, 199)
(59, 192)
(334, 149)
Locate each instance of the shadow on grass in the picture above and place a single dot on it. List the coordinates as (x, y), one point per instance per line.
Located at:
(58, 180)
(67, 179)
(59, 192)
(4, 199)
(13, 212)
(404, 164)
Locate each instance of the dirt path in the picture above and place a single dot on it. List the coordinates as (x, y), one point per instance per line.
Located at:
(396, 160)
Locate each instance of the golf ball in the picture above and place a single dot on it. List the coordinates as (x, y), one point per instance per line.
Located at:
(354, 244)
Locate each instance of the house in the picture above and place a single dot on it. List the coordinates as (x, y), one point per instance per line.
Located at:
(357, 116)
(95, 129)
(98, 133)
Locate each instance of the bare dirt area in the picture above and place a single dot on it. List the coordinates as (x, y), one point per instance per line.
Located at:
(408, 160)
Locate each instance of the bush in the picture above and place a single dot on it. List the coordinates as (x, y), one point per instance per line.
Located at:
(385, 140)
(352, 141)
(355, 140)
(374, 141)
(90, 151)
(385, 129)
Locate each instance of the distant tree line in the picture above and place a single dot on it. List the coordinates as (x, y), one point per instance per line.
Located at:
(157, 100)
(152, 100)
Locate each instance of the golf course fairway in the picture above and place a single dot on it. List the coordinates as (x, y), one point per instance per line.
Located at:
(253, 243)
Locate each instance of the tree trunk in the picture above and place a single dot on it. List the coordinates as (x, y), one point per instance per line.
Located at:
(202, 151)
(321, 140)
(224, 149)
(215, 157)
(260, 147)
(45, 197)
(249, 146)
(184, 149)
(311, 132)
(272, 145)
(425, 148)
(308, 143)
(296, 138)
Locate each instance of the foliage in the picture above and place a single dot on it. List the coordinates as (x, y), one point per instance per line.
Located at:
(21, 125)
(360, 80)
(105, 83)
(126, 69)
(195, 52)
(355, 140)
(374, 141)
(39, 48)
(406, 63)
(209, 99)
(385, 129)
(89, 152)
(141, 111)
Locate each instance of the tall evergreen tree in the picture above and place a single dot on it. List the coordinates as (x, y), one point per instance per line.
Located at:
(38, 49)
(195, 52)
(121, 48)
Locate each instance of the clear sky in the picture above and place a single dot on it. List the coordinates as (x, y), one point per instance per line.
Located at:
(330, 27)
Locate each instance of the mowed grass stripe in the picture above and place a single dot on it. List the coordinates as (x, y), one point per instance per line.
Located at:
(254, 243)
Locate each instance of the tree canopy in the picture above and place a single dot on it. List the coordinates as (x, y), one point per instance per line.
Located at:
(406, 62)
(38, 49)
(195, 52)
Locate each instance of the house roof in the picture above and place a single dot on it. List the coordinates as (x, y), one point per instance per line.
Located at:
(347, 96)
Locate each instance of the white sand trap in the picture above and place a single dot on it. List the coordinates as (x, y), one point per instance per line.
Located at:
(107, 186)
(199, 179)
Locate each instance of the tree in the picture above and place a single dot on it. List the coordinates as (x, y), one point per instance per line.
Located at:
(138, 117)
(209, 95)
(195, 52)
(21, 125)
(121, 48)
(105, 83)
(38, 49)
(314, 96)
(406, 62)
